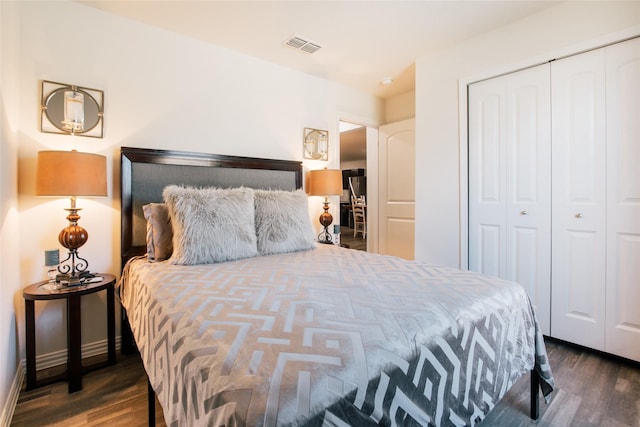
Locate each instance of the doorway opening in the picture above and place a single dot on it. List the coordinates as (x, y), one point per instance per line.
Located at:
(353, 202)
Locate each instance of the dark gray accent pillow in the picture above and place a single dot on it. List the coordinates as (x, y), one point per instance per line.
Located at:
(159, 232)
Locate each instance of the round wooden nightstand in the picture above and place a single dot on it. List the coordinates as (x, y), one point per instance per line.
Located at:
(75, 370)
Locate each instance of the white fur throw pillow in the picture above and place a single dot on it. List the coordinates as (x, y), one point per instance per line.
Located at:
(282, 222)
(210, 224)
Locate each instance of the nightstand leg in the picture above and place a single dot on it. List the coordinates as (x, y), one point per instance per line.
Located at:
(111, 326)
(30, 321)
(74, 352)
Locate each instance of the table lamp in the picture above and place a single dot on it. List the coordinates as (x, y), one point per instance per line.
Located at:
(71, 174)
(325, 182)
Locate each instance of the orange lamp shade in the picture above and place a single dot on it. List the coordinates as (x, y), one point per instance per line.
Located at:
(71, 173)
(325, 182)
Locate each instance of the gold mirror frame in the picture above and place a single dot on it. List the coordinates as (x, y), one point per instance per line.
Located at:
(52, 109)
(316, 144)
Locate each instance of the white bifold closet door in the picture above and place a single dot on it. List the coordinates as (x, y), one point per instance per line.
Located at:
(510, 182)
(579, 199)
(623, 199)
(596, 199)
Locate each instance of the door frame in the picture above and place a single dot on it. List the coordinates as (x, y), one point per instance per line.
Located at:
(372, 172)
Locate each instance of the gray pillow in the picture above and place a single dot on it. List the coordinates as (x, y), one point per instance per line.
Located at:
(282, 222)
(211, 224)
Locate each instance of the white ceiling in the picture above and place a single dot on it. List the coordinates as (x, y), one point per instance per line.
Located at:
(362, 41)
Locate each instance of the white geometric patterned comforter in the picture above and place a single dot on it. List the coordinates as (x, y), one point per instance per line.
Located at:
(329, 336)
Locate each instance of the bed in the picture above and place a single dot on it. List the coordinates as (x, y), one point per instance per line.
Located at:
(320, 335)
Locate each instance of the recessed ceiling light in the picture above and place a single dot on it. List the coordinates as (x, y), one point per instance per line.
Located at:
(386, 81)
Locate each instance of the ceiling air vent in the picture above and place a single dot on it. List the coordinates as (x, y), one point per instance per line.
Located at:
(299, 43)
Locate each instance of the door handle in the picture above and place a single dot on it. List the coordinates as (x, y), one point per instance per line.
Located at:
(523, 212)
(578, 215)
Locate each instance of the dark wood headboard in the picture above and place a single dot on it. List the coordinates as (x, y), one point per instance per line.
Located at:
(145, 172)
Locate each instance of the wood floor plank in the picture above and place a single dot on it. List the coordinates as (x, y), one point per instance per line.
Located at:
(596, 391)
(347, 239)
(592, 390)
(586, 395)
(563, 408)
(624, 404)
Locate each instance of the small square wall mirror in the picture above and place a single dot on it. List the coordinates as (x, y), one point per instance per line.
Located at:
(72, 110)
(316, 144)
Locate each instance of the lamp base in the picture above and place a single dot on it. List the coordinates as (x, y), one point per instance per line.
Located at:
(325, 220)
(72, 237)
(325, 237)
(72, 267)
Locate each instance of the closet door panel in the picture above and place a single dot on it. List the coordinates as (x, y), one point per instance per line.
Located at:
(523, 260)
(509, 182)
(487, 186)
(578, 199)
(528, 175)
(623, 199)
(489, 241)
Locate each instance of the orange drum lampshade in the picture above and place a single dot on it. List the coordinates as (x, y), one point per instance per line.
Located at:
(71, 173)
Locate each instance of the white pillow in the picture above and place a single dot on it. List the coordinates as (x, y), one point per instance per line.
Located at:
(210, 224)
(282, 222)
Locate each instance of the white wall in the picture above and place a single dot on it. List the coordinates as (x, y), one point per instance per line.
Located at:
(161, 91)
(400, 107)
(441, 104)
(10, 238)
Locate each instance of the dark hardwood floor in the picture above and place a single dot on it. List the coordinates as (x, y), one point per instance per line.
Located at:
(113, 396)
(592, 390)
(346, 238)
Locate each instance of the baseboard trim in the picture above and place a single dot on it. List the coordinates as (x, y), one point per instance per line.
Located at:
(57, 358)
(46, 361)
(12, 399)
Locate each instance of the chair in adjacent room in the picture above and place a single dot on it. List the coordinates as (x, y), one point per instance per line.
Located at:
(359, 209)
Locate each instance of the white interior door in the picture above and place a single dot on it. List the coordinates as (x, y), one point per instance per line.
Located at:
(510, 182)
(397, 189)
(579, 199)
(623, 199)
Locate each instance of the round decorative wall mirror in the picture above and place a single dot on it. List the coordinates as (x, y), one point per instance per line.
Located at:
(72, 110)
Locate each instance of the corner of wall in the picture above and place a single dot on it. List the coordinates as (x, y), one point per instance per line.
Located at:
(10, 403)
(400, 107)
(10, 370)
